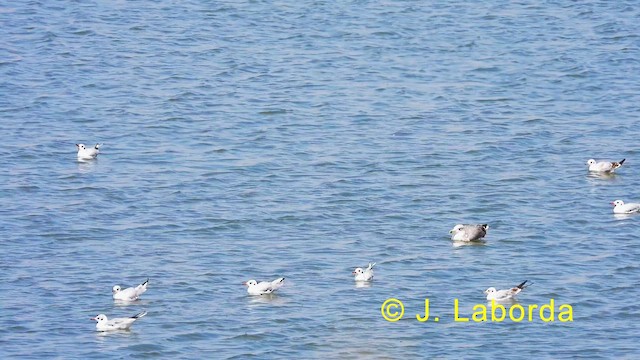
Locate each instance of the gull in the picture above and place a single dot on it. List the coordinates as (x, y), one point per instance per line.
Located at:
(88, 154)
(129, 294)
(263, 287)
(364, 275)
(467, 232)
(604, 166)
(619, 207)
(104, 324)
(498, 295)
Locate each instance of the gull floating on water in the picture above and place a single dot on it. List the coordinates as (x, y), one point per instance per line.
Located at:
(263, 287)
(88, 154)
(467, 232)
(499, 295)
(619, 207)
(604, 166)
(129, 294)
(104, 324)
(364, 275)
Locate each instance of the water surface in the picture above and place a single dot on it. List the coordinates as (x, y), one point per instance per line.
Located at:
(259, 139)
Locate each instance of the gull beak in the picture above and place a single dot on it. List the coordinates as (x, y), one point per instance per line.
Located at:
(93, 318)
(450, 231)
(244, 283)
(612, 203)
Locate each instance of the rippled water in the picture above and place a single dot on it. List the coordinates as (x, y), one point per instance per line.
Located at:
(257, 139)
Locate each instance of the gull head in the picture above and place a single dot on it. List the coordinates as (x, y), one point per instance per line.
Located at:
(116, 289)
(99, 318)
(456, 229)
(250, 283)
(357, 271)
(591, 162)
(81, 147)
(490, 290)
(617, 203)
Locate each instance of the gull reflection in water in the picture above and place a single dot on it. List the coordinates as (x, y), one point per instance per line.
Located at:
(602, 175)
(86, 166)
(266, 299)
(457, 244)
(123, 303)
(503, 302)
(103, 334)
(623, 216)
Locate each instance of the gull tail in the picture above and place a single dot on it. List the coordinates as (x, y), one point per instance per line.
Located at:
(371, 265)
(618, 164)
(140, 289)
(524, 285)
(100, 144)
(275, 285)
(485, 227)
(138, 316)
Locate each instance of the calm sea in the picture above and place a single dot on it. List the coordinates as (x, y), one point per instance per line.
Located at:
(258, 139)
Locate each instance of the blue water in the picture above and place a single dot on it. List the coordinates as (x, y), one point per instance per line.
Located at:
(258, 139)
